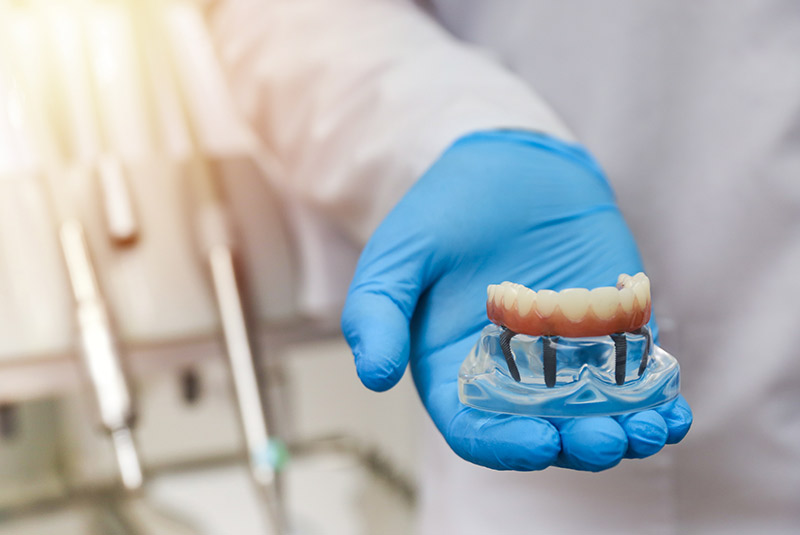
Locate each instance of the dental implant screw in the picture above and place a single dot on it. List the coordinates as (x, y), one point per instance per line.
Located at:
(621, 356)
(505, 346)
(549, 361)
(644, 331)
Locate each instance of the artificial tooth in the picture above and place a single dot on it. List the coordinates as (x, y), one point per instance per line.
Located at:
(623, 280)
(574, 303)
(642, 292)
(510, 296)
(546, 301)
(604, 301)
(639, 277)
(626, 297)
(525, 299)
(498, 296)
(490, 290)
(646, 283)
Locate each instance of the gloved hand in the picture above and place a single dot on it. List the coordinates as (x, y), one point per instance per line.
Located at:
(501, 205)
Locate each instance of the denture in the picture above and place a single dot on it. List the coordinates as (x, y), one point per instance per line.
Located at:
(574, 312)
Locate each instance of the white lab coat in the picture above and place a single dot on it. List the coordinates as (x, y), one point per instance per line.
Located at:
(693, 111)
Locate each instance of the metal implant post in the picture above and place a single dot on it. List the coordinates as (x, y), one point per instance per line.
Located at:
(621, 356)
(549, 361)
(505, 346)
(644, 331)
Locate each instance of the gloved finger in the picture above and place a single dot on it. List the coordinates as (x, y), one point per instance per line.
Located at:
(390, 277)
(646, 431)
(377, 331)
(497, 441)
(503, 441)
(591, 444)
(678, 416)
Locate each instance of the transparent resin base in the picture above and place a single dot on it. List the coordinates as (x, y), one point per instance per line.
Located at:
(586, 376)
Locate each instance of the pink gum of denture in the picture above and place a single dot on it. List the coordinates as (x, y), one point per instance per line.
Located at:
(557, 324)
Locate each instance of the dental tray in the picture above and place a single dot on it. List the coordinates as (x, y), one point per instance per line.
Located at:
(567, 354)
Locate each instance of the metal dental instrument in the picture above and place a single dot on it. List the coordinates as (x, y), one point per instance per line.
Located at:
(99, 348)
(100, 352)
(217, 246)
(103, 69)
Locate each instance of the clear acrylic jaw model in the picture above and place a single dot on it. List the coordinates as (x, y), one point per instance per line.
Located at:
(550, 375)
(585, 377)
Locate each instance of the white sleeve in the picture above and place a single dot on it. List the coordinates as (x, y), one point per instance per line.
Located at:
(358, 97)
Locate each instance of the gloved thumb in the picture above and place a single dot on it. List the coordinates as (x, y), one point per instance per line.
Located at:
(382, 298)
(377, 331)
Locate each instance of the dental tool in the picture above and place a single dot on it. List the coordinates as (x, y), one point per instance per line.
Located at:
(216, 244)
(576, 352)
(99, 347)
(115, 87)
(110, 105)
(101, 352)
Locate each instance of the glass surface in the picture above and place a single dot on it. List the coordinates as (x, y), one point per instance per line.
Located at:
(585, 378)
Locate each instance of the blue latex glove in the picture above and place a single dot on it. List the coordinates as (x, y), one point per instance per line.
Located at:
(496, 206)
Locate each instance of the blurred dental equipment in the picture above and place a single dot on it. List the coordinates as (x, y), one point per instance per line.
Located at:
(112, 93)
(99, 346)
(101, 353)
(215, 241)
(99, 102)
(96, 59)
(139, 84)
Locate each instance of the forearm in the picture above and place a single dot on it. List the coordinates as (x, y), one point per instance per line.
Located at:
(358, 97)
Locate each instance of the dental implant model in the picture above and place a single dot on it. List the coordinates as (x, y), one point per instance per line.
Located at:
(576, 352)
